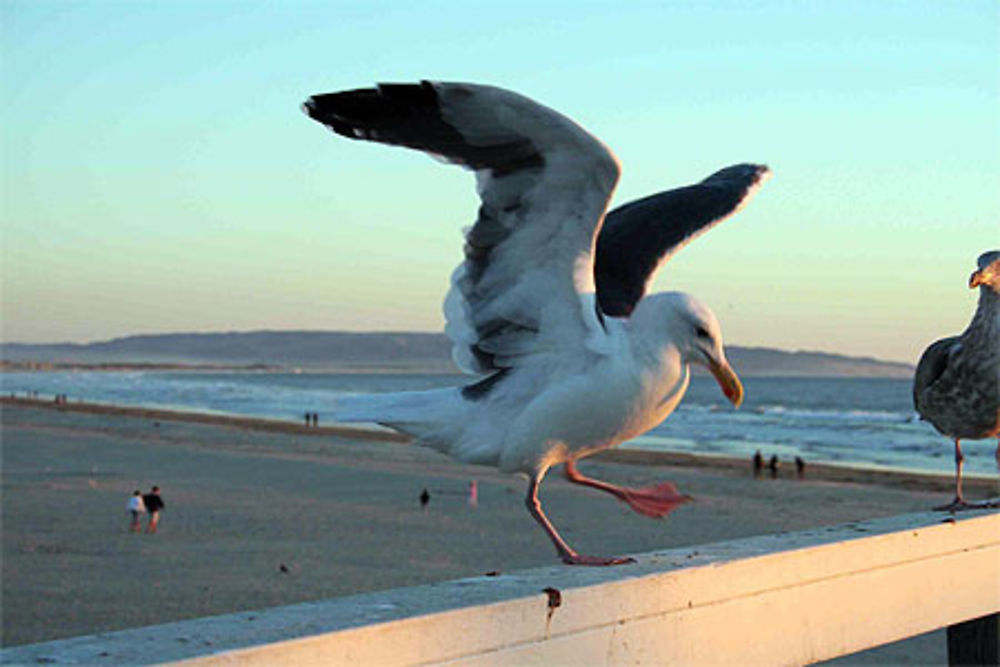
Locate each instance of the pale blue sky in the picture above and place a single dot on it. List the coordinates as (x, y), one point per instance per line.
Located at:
(158, 175)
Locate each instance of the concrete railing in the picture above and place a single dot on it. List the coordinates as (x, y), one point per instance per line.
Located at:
(791, 598)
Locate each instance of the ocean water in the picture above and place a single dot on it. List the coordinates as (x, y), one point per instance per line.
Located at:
(864, 422)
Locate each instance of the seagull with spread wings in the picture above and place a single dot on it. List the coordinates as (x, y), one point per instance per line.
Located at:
(549, 308)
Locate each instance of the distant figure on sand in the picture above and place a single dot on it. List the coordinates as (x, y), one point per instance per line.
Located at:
(136, 508)
(154, 504)
(315, 418)
(758, 464)
(800, 467)
(425, 497)
(473, 494)
(773, 466)
(308, 418)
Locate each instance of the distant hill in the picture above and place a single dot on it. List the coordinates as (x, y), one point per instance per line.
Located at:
(311, 349)
(763, 361)
(401, 351)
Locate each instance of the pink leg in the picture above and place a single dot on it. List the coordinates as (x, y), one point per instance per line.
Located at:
(566, 553)
(655, 501)
(959, 501)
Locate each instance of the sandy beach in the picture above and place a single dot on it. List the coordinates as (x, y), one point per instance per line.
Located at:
(264, 514)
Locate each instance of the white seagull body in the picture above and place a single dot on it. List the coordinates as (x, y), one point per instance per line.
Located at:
(547, 308)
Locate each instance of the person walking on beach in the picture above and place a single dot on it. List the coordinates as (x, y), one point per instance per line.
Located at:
(154, 505)
(136, 508)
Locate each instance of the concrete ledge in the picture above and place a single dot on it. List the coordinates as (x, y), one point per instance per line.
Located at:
(790, 598)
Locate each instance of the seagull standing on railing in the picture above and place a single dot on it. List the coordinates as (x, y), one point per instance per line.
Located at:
(957, 383)
(548, 306)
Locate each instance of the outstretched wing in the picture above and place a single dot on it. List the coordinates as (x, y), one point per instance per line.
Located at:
(544, 185)
(639, 237)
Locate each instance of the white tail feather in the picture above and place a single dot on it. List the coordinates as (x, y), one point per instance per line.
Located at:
(429, 416)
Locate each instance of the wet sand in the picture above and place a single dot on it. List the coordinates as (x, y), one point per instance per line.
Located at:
(341, 514)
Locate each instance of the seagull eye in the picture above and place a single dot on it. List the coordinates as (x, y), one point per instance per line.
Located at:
(702, 333)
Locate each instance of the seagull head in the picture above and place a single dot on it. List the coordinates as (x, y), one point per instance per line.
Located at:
(692, 328)
(988, 273)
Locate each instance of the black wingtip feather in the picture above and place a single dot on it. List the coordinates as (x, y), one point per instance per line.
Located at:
(745, 174)
(378, 113)
(410, 114)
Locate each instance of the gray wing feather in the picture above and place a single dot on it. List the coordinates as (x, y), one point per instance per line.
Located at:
(641, 236)
(543, 183)
(932, 365)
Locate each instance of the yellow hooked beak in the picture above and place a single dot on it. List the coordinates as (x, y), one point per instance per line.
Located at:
(980, 277)
(728, 381)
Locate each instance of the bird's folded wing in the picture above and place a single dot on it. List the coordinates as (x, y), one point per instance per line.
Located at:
(544, 184)
(932, 365)
(638, 238)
